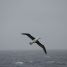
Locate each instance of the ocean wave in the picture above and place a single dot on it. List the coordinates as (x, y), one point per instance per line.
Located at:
(30, 61)
(56, 62)
(18, 62)
(48, 56)
(60, 63)
(50, 62)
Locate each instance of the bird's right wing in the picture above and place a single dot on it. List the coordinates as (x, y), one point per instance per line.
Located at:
(29, 35)
(42, 46)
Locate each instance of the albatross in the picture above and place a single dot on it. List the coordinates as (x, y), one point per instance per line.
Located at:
(35, 40)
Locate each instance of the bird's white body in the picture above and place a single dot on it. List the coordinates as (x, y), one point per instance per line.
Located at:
(34, 41)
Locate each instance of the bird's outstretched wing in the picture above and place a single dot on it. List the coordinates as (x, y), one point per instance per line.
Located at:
(42, 46)
(29, 35)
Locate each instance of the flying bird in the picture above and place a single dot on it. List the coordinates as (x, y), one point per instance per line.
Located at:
(34, 40)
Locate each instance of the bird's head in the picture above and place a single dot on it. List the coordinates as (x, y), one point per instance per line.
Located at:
(31, 43)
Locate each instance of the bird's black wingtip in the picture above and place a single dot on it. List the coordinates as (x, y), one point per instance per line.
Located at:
(46, 53)
(23, 33)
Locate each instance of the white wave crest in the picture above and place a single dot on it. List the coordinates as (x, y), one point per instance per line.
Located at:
(50, 62)
(18, 62)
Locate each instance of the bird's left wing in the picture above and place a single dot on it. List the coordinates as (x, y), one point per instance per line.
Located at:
(29, 35)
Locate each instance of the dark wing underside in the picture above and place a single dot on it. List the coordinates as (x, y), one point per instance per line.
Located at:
(42, 46)
(30, 36)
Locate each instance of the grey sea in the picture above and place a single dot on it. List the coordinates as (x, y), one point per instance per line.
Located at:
(34, 58)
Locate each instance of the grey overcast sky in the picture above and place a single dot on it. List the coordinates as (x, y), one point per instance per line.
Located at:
(41, 18)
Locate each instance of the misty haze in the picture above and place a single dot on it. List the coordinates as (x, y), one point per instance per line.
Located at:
(44, 19)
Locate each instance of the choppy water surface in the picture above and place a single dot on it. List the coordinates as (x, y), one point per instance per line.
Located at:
(54, 58)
